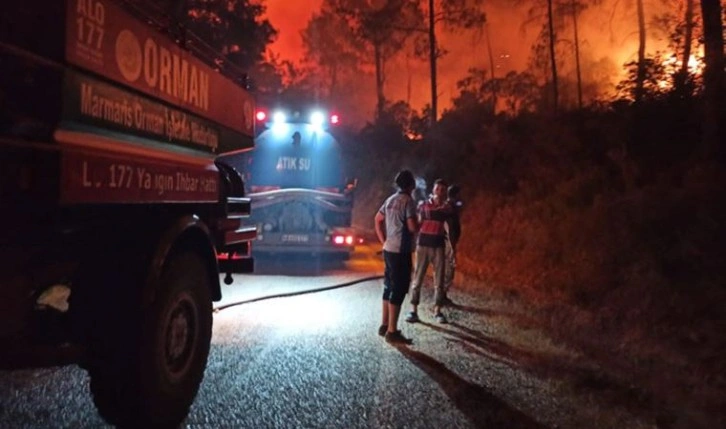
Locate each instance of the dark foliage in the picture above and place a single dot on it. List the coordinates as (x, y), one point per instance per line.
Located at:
(584, 206)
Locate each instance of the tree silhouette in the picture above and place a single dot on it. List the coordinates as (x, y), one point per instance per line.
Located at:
(641, 65)
(381, 30)
(453, 14)
(713, 76)
(330, 45)
(234, 28)
(688, 24)
(548, 37)
(518, 92)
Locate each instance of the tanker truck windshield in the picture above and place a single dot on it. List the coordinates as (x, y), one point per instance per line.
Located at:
(301, 198)
(296, 156)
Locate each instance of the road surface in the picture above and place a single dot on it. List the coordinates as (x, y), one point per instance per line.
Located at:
(315, 361)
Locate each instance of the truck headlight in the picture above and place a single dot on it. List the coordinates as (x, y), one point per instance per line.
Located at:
(279, 117)
(317, 119)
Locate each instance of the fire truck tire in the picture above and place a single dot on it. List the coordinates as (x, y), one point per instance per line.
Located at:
(156, 381)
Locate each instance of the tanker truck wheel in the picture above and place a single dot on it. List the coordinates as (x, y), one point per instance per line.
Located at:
(154, 374)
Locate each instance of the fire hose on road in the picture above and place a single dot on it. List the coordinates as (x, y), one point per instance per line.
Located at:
(302, 292)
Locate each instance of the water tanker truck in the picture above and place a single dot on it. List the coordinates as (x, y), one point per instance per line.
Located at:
(301, 199)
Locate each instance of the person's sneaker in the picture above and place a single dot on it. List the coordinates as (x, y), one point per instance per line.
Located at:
(412, 317)
(440, 318)
(397, 338)
(382, 330)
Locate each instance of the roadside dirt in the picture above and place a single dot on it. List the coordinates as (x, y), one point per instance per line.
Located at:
(671, 377)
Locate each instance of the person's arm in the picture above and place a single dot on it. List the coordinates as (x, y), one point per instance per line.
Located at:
(454, 224)
(380, 224)
(412, 217)
(412, 224)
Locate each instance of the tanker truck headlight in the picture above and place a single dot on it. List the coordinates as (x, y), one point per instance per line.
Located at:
(279, 118)
(317, 119)
(279, 123)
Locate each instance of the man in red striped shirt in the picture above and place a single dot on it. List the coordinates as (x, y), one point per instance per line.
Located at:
(433, 214)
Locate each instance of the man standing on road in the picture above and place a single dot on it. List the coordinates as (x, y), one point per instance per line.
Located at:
(396, 225)
(453, 232)
(433, 214)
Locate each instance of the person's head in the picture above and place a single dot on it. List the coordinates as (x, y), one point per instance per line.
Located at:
(453, 192)
(405, 180)
(439, 190)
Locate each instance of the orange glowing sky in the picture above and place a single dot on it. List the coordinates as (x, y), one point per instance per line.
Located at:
(608, 36)
(290, 17)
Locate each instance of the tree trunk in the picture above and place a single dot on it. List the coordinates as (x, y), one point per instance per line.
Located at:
(640, 78)
(687, 38)
(491, 66)
(432, 61)
(490, 52)
(381, 104)
(555, 91)
(409, 80)
(713, 78)
(577, 54)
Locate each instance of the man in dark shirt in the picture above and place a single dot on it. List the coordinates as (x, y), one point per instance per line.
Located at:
(433, 214)
(453, 233)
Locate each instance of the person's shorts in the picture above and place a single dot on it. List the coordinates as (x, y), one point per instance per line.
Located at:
(397, 276)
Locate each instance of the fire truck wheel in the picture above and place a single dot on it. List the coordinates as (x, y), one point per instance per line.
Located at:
(158, 379)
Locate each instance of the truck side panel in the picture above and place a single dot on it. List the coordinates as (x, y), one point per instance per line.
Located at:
(103, 38)
(93, 164)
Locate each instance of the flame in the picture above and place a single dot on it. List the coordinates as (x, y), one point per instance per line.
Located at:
(695, 64)
(672, 64)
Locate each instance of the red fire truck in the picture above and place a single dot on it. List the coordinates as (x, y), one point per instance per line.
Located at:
(113, 200)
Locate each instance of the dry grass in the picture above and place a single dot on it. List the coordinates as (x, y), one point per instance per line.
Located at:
(619, 280)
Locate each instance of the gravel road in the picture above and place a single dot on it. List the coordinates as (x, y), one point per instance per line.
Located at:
(315, 361)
